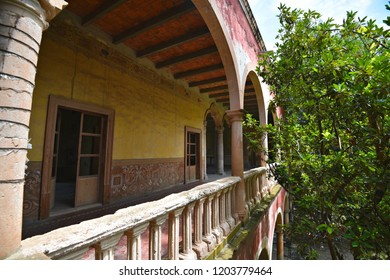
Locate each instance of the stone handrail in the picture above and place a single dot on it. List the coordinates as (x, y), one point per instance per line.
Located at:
(214, 199)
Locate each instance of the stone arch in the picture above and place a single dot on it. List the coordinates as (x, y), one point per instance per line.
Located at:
(263, 249)
(260, 98)
(220, 34)
(215, 115)
(278, 229)
(254, 103)
(264, 255)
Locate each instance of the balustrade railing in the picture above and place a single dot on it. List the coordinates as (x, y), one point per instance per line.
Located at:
(256, 186)
(196, 221)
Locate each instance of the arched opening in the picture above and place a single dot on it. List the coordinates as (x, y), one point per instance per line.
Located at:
(278, 239)
(254, 105)
(270, 141)
(211, 145)
(264, 254)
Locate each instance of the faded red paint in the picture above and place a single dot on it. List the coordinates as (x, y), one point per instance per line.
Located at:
(266, 228)
(238, 27)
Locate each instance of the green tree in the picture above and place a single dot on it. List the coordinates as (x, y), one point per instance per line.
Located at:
(333, 83)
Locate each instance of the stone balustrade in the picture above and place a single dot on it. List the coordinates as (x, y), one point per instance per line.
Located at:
(198, 221)
(256, 186)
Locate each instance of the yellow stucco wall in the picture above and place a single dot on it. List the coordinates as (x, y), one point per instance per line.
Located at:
(150, 118)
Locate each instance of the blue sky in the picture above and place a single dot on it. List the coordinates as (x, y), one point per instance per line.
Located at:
(265, 12)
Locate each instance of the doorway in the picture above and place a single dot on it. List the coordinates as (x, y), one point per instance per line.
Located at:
(77, 156)
(192, 155)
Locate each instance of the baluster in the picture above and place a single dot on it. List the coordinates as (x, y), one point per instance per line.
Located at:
(134, 243)
(200, 247)
(233, 196)
(216, 229)
(248, 193)
(155, 237)
(229, 208)
(187, 253)
(256, 188)
(173, 234)
(222, 213)
(208, 237)
(104, 250)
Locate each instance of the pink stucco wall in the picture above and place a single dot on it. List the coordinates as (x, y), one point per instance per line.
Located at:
(250, 248)
(238, 26)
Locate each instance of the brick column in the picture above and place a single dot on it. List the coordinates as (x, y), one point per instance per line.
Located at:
(21, 25)
(235, 119)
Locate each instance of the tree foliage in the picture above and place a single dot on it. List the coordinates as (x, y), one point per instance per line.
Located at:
(333, 83)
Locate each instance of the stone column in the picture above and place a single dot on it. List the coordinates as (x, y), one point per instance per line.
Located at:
(21, 25)
(220, 154)
(235, 119)
(279, 242)
(204, 150)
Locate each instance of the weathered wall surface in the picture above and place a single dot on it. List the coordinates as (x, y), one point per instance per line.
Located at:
(151, 111)
(261, 228)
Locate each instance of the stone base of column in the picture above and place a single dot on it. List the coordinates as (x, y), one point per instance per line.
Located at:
(225, 228)
(200, 249)
(232, 223)
(218, 233)
(188, 256)
(243, 216)
(211, 241)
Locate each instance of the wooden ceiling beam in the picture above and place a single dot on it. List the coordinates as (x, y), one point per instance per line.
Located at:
(168, 15)
(216, 95)
(186, 57)
(222, 99)
(173, 43)
(198, 71)
(107, 7)
(206, 90)
(206, 82)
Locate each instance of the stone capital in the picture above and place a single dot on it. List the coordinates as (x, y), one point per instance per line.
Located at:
(219, 129)
(42, 11)
(234, 115)
(52, 8)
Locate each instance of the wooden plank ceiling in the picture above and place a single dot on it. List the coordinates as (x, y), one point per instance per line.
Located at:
(170, 33)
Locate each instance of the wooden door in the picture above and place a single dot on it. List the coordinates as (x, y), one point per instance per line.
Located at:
(192, 156)
(89, 165)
